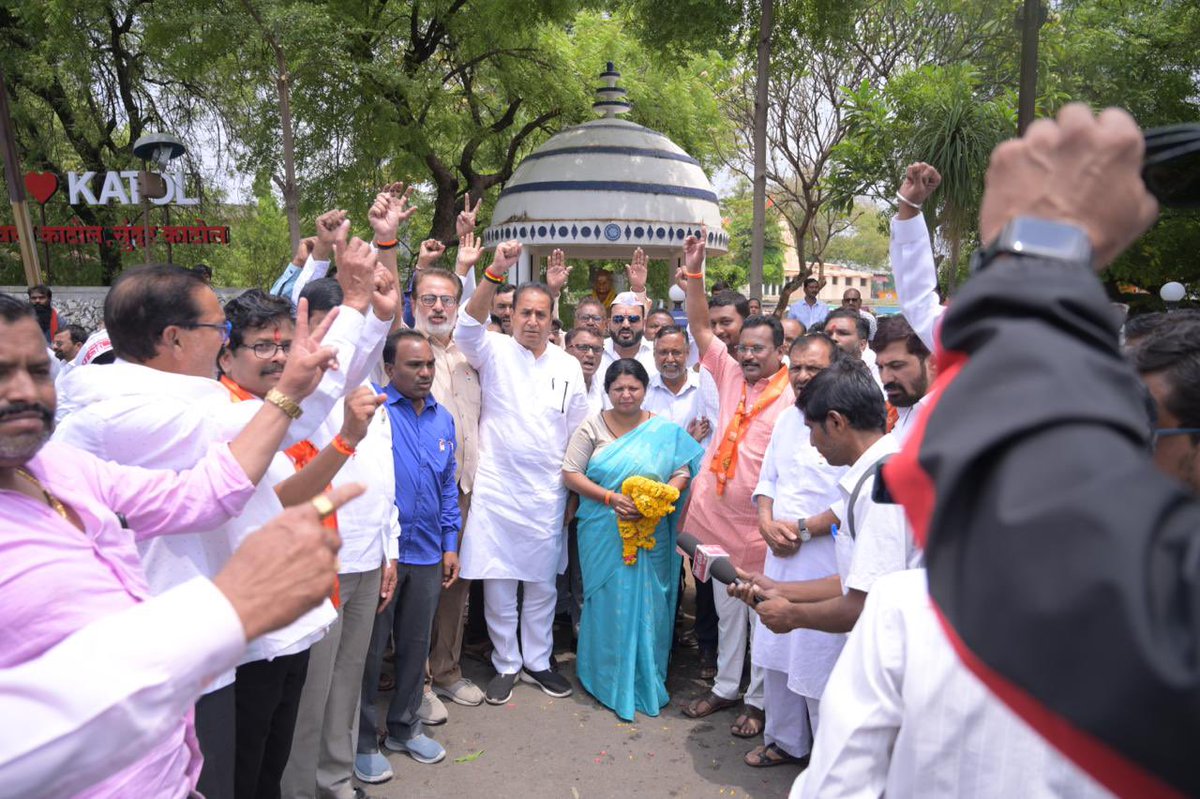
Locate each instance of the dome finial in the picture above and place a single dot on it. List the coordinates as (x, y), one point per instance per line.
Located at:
(610, 99)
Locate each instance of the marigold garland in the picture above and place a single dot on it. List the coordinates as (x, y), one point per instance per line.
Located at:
(654, 500)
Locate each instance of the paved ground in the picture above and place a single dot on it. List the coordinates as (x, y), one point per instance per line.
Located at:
(536, 746)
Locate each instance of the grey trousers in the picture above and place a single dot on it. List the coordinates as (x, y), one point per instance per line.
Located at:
(323, 745)
(409, 619)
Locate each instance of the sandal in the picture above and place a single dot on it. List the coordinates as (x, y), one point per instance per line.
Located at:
(707, 705)
(749, 723)
(769, 755)
(708, 664)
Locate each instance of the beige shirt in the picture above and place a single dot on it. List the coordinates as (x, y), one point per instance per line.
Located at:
(456, 386)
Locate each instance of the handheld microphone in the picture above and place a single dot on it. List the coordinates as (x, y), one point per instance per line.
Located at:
(720, 567)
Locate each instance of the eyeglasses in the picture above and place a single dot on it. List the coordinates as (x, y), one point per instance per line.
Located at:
(225, 327)
(428, 300)
(750, 349)
(588, 349)
(267, 349)
(1164, 432)
(632, 319)
(588, 317)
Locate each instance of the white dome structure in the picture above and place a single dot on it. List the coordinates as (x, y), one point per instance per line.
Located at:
(604, 188)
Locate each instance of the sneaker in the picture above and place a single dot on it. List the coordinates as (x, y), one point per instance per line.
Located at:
(461, 692)
(551, 682)
(422, 748)
(372, 767)
(499, 690)
(432, 712)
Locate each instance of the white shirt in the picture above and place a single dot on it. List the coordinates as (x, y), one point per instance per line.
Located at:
(709, 408)
(313, 270)
(872, 322)
(134, 675)
(902, 716)
(370, 525)
(644, 356)
(801, 483)
(679, 408)
(597, 400)
(881, 542)
(531, 407)
(139, 416)
(916, 277)
(808, 315)
(906, 418)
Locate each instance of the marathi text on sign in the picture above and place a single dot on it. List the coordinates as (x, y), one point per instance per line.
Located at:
(129, 237)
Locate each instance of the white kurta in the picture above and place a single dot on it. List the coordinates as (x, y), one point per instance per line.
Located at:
(916, 277)
(802, 484)
(531, 406)
(902, 716)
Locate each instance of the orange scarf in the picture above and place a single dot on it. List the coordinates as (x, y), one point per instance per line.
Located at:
(301, 454)
(724, 462)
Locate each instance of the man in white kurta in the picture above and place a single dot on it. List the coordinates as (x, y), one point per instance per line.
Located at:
(904, 717)
(533, 399)
(796, 482)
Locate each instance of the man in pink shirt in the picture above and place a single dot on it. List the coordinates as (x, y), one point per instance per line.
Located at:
(753, 388)
(97, 679)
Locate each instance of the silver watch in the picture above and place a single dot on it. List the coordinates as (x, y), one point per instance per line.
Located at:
(805, 535)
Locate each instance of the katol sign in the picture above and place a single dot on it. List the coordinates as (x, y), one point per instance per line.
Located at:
(120, 188)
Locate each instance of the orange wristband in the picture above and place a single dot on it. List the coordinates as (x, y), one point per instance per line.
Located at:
(695, 276)
(608, 498)
(341, 446)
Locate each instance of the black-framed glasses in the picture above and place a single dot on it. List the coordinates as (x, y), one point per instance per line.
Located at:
(1171, 165)
(588, 349)
(1166, 432)
(429, 300)
(225, 327)
(632, 319)
(267, 349)
(588, 317)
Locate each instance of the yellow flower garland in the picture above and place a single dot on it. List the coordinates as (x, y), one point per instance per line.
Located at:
(654, 500)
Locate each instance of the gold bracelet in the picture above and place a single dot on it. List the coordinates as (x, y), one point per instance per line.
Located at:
(284, 403)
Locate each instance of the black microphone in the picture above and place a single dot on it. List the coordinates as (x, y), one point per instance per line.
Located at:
(721, 568)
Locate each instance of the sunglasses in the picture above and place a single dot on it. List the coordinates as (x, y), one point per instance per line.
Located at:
(1171, 166)
(621, 319)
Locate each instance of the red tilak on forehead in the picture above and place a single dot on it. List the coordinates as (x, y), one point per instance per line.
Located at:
(278, 335)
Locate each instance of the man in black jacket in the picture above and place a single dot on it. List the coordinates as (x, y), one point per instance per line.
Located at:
(1065, 566)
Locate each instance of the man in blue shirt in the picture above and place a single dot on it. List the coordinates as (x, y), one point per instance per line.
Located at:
(427, 498)
(809, 311)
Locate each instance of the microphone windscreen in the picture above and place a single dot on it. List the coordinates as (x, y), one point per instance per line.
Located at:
(723, 570)
(688, 543)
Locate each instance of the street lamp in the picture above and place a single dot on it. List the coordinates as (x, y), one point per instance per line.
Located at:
(159, 149)
(1171, 294)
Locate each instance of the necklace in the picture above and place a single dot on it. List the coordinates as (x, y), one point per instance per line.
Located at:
(51, 500)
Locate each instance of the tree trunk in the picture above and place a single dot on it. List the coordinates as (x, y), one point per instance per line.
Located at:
(762, 81)
(291, 192)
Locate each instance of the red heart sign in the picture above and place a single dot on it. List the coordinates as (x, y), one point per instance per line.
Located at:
(41, 185)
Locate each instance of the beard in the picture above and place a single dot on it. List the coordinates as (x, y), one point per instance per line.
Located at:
(43, 313)
(21, 447)
(439, 330)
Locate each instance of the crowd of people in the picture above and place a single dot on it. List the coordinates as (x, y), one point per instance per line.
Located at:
(253, 520)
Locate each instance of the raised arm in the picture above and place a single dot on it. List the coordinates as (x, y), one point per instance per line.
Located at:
(316, 266)
(912, 254)
(638, 271)
(696, 303)
(480, 304)
(1038, 494)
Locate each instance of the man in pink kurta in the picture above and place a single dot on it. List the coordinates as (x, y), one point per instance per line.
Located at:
(754, 390)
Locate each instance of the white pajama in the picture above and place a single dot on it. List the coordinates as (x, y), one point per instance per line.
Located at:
(787, 720)
(734, 630)
(537, 624)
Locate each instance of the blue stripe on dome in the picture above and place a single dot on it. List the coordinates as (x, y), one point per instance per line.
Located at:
(611, 185)
(644, 152)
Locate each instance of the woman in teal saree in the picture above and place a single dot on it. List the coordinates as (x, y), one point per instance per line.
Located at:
(628, 609)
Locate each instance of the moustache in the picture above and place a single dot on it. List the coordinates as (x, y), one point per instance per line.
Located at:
(18, 408)
(273, 369)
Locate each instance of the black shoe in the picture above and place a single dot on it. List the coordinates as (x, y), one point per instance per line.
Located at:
(499, 690)
(551, 682)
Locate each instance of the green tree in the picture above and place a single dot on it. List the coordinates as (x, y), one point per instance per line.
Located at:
(734, 268)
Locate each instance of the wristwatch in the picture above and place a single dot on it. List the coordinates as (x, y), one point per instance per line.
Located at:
(1030, 237)
(805, 535)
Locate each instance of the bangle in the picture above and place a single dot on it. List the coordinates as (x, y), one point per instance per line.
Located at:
(608, 498)
(489, 277)
(693, 275)
(386, 245)
(342, 446)
(284, 403)
(908, 202)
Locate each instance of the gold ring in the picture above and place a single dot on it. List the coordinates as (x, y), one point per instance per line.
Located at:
(323, 504)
